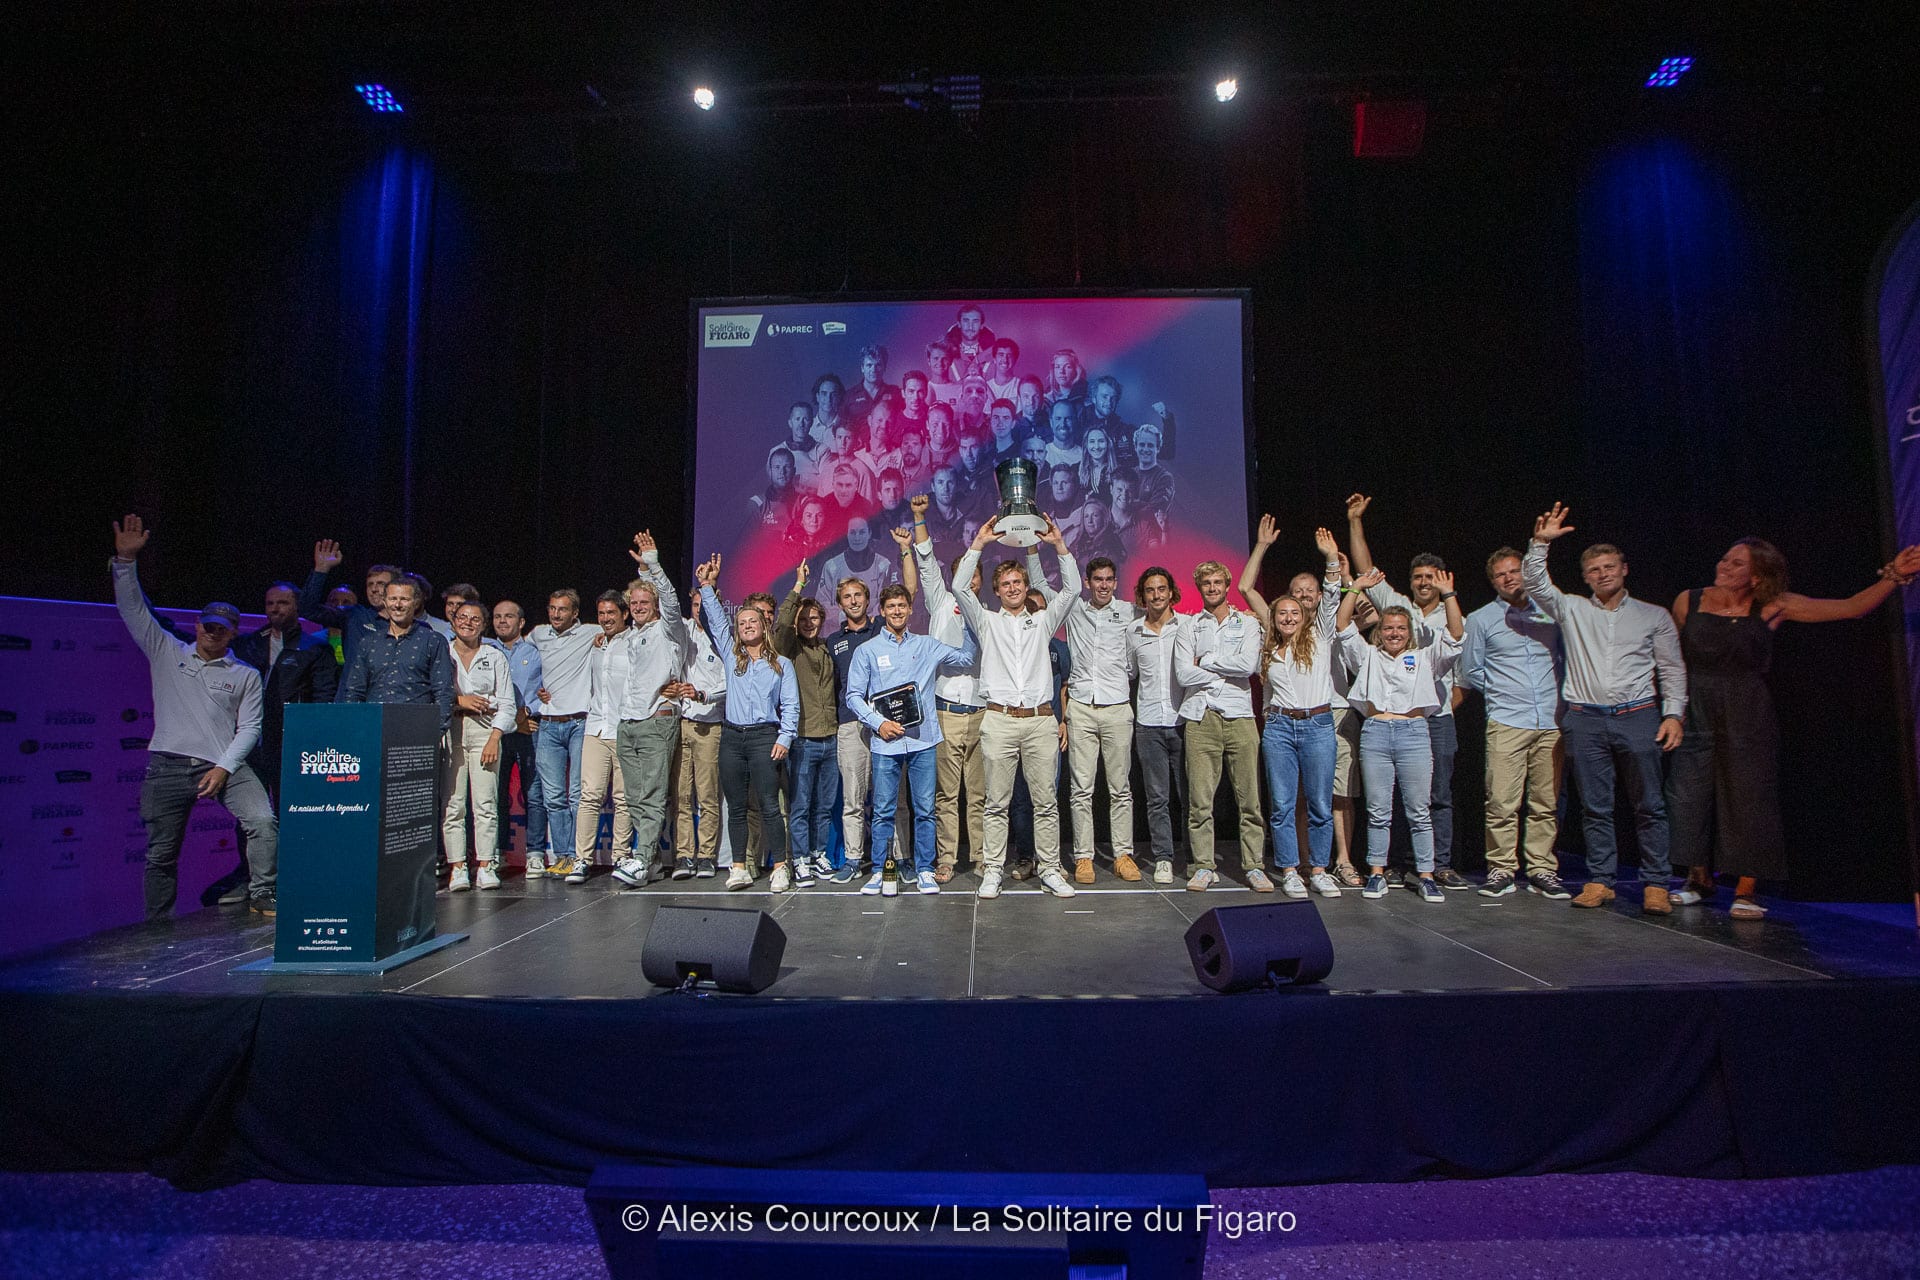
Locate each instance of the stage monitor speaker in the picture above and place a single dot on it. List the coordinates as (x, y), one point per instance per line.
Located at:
(1389, 130)
(1277, 943)
(735, 948)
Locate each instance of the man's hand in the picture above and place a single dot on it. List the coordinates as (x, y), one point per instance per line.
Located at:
(918, 504)
(1552, 525)
(1443, 581)
(891, 730)
(1357, 504)
(326, 555)
(642, 543)
(129, 536)
(545, 696)
(1371, 578)
(1054, 538)
(1063, 737)
(986, 534)
(903, 538)
(473, 703)
(1907, 563)
(708, 574)
(1346, 568)
(800, 576)
(779, 752)
(1329, 549)
(490, 754)
(1668, 734)
(211, 783)
(1269, 532)
(524, 721)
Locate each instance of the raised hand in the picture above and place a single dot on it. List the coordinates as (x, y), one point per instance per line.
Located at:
(1371, 578)
(642, 543)
(1357, 504)
(708, 573)
(1053, 537)
(129, 536)
(1346, 568)
(1443, 580)
(1323, 539)
(326, 555)
(800, 576)
(1553, 523)
(986, 534)
(918, 504)
(1269, 532)
(904, 538)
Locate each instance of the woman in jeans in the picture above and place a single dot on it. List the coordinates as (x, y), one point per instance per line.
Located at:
(1396, 686)
(1297, 746)
(763, 715)
(483, 712)
(816, 759)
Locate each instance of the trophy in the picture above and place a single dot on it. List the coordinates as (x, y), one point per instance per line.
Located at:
(1019, 523)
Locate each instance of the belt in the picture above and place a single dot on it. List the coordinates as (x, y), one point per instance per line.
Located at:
(578, 715)
(1618, 709)
(1302, 713)
(1022, 713)
(955, 708)
(1100, 706)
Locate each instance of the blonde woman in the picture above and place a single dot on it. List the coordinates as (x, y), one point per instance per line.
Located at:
(483, 713)
(1297, 747)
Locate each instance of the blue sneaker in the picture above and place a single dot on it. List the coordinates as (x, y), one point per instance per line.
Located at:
(1430, 890)
(1376, 886)
(846, 873)
(927, 883)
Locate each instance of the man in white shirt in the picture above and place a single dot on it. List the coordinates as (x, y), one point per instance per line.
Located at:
(1626, 693)
(600, 759)
(1151, 639)
(1215, 658)
(959, 708)
(649, 714)
(696, 759)
(566, 694)
(1099, 713)
(207, 709)
(1018, 733)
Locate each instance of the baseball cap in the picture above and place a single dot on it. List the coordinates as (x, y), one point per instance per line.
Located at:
(221, 614)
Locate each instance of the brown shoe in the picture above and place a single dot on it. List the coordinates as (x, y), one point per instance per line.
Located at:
(1125, 867)
(1655, 902)
(943, 873)
(1594, 894)
(1083, 870)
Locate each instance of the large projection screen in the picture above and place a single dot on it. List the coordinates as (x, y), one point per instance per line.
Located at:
(1133, 408)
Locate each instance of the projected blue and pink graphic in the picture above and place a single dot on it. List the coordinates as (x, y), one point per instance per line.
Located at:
(819, 422)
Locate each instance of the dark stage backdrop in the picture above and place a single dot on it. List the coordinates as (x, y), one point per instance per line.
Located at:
(257, 333)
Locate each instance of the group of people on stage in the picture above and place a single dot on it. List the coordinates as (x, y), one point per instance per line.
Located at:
(850, 456)
(1343, 687)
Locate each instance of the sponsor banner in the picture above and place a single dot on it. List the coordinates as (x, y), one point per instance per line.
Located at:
(76, 713)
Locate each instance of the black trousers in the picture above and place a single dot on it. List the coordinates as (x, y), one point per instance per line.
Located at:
(746, 761)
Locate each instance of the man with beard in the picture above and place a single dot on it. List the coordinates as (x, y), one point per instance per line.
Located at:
(1102, 409)
(916, 466)
(1002, 382)
(970, 340)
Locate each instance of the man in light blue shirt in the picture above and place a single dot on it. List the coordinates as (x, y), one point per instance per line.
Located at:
(1511, 655)
(895, 658)
(517, 748)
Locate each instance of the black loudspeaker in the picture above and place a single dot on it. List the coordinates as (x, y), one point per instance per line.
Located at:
(735, 948)
(1277, 943)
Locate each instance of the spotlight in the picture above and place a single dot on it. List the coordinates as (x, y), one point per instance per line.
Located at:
(703, 98)
(377, 97)
(1226, 89)
(1668, 73)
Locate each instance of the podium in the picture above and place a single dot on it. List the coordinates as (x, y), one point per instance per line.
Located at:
(360, 812)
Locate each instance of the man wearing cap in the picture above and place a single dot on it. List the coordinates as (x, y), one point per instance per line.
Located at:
(206, 718)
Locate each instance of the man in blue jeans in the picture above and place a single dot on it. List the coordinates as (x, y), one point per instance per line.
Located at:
(517, 748)
(898, 659)
(1626, 692)
(566, 655)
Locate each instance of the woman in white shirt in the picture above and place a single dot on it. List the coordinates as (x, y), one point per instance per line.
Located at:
(1396, 686)
(483, 711)
(1297, 747)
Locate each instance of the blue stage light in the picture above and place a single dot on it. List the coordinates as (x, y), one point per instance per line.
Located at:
(378, 98)
(1668, 73)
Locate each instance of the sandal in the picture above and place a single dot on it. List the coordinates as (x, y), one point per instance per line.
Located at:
(1347, 876)
(942, 874)
(1746, 909)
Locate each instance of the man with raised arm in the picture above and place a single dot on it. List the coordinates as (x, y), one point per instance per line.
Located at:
(1018, 734)
(958, 707)
(1099, 712)
(1626, 692)
(649, 706)
(207, 708)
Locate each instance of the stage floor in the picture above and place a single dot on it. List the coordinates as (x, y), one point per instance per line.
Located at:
(550, 940)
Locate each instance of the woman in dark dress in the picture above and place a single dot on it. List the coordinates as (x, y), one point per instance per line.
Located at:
(1723, 803)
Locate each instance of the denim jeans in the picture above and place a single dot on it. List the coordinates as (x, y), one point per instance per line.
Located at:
(816, 792)
(1599, 748)
(1298, 755)
(518, 748)
(1162, 765)
(1445, 737)
(922, 777)
(1397, 752)
(167, 796)
(558, 751)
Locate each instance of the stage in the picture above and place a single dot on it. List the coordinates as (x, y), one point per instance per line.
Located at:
(1477, 1037)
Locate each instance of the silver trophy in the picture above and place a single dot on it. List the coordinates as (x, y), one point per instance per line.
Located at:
(1019, 523)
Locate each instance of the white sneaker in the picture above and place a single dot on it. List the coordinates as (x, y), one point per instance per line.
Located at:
(1323, 884)
(1202, 879)
(782, 878)
(738, 877)
(457, 881)
(1163, 872)
(1291, 884)
(822, 866)
(990, 883)
(582, 868)
(1056, 884)
(536, 866)
(633, 871)
(802, 871)
(872, 887)
(927, 883)
(489, 877)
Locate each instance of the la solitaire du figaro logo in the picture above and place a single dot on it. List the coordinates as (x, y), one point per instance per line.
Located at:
(331, 764)
(732, 331)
